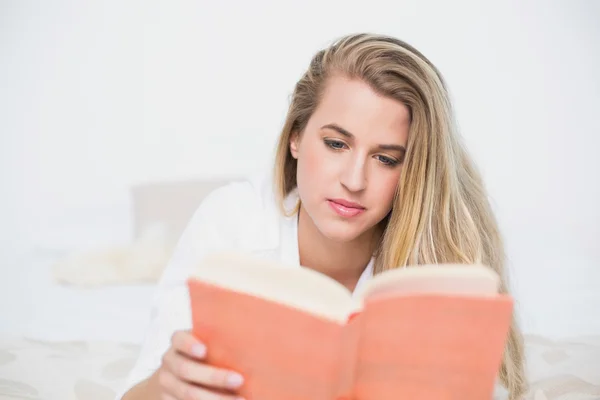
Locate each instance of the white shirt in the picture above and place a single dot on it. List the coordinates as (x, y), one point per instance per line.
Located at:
(241, 216)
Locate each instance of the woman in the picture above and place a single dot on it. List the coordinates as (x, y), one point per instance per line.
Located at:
(369, 175)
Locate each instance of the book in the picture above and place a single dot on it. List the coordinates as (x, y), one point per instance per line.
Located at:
(428, 332)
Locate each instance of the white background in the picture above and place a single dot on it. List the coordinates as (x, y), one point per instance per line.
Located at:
(96, 96)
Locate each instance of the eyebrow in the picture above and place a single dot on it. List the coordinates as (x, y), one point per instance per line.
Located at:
(349, 135)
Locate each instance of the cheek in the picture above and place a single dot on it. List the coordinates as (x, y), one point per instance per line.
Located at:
(384, 189)
(312, 164)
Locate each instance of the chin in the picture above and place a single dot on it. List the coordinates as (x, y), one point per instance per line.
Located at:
(339, 232)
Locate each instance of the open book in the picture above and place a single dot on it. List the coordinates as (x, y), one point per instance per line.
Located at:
(416, 333)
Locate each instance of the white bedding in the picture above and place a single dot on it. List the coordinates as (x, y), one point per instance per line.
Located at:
(37, 370)
(67, 343)
(32, 305)
(61, 343)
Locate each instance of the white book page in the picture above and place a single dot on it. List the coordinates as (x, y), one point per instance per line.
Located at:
(294, 286)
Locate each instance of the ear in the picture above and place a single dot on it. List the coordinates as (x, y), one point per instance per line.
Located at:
(294, 144)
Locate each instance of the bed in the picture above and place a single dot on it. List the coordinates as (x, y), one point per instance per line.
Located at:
(95, 370)
(62, 342)
(79, 341)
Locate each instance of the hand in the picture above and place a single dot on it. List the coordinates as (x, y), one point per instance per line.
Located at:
(183, 375)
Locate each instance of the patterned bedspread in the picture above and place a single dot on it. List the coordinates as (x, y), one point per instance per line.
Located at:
(29, 369)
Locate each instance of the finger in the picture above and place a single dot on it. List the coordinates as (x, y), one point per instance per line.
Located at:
(186, 343)
(192, 371)
(199, 393)
(165, 396)
(175, 389)
(168, 384)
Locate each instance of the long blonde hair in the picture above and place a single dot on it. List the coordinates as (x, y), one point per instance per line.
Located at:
(441, 213)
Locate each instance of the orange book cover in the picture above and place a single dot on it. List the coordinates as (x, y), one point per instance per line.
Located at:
(439, 336)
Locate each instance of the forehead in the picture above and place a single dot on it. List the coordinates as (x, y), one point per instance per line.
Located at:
(356, 107)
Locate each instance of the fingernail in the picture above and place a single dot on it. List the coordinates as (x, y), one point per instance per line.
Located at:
(234, 380)
(199, 350)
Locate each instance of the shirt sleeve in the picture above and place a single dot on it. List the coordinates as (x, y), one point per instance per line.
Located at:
(209, 230)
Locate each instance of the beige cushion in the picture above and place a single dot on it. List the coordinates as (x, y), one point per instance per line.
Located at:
(161, 211)
(169, 205)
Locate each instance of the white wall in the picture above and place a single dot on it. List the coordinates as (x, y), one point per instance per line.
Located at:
(95, 96)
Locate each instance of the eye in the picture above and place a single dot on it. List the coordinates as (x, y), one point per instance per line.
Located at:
(388, 161)
(334, 144)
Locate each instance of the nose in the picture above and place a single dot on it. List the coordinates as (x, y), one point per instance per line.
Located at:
(354, 174)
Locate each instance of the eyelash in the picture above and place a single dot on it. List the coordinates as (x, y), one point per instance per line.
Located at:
(331, 143)
(387, 161)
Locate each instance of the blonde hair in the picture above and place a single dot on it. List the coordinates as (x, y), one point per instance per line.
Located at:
(441, 212)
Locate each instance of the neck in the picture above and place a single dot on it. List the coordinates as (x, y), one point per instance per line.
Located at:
(342, 261)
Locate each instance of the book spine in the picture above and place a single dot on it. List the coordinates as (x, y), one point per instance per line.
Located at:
(349, 345)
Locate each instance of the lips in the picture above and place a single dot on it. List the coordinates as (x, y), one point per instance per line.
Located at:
(346, 208)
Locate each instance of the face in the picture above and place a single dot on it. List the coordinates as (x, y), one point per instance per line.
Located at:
(350, 159)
